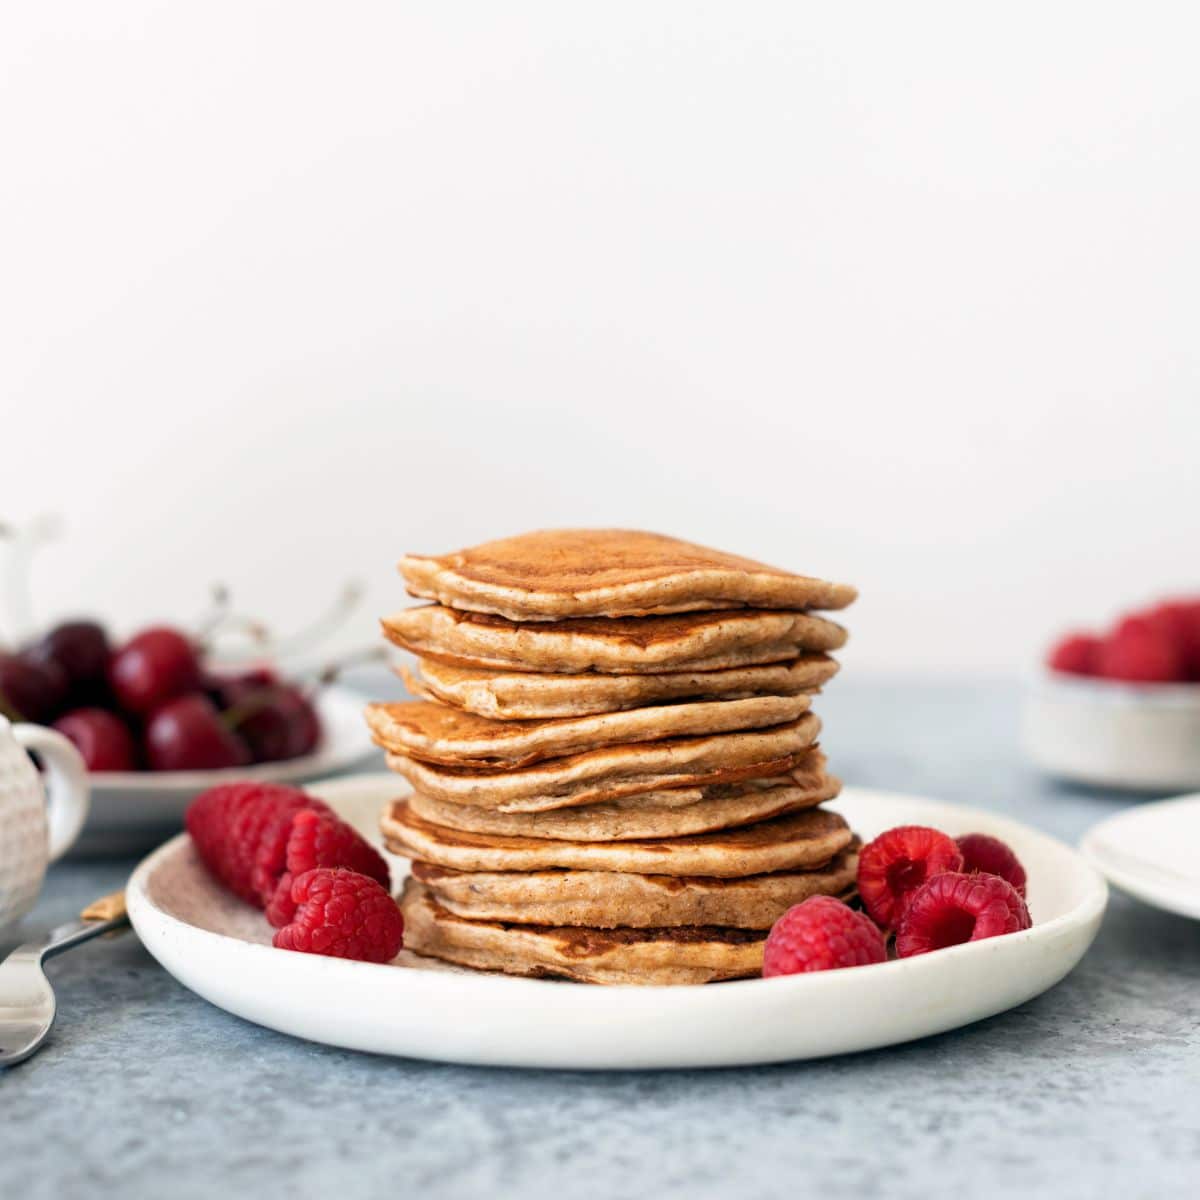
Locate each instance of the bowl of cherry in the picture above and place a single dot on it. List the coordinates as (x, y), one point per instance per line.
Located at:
(1120, 708)
(157, 722)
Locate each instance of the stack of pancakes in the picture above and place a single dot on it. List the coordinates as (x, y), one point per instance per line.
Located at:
(615, 766)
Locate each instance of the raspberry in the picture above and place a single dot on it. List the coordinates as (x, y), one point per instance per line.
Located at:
(1076, 654)
(235, 828)
(1139, 650)
(953, 908)
(898, 862)
(818, 935)
(319, 839)
(984, 854)
(257, 834)
(344, 915)
(1180, 621)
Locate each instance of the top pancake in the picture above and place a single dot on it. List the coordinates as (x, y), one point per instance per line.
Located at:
(557, 573)
(700, 641)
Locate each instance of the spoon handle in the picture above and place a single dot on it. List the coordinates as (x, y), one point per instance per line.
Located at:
(99, 917)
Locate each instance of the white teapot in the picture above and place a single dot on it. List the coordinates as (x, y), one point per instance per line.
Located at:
(37, 824)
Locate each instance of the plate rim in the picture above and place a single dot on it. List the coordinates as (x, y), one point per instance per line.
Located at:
(1140, 886)
(1090, 907)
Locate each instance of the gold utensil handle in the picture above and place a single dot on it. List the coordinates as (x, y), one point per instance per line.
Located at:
(107, 908)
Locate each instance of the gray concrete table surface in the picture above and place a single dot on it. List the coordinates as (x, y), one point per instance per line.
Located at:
(1091, 1090)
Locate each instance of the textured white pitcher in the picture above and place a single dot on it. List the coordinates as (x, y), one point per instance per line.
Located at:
(37, 824)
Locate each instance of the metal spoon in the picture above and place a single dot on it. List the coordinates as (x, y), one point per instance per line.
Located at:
(27, 1004)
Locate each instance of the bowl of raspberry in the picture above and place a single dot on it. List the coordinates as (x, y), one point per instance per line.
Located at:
(1120, 708)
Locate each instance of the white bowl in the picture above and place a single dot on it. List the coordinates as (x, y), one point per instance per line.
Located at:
(221, 949)
(1137, 737)
(132, 810)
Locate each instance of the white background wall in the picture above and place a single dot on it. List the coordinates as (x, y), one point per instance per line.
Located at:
(907, 294)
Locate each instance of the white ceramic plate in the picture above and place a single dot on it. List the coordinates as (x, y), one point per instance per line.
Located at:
(132, 810)
(220, 948)
(1149, 851)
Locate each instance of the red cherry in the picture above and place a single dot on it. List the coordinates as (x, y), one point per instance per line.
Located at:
(276, 720)
(187, 734)
(1076, 654)
(229, 691)
(153, 668)
(101, 737)
(306, 724)
(283, 726)
(81, 651)
(254, 677)
(29, 690)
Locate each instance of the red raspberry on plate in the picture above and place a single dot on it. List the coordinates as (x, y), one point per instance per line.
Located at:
(319, 839)
(1140, 650)
(1075, 654)
(342, 914)
(819, 934)
(988, 855)
(953, 908)
(898, 862)
(235, 825)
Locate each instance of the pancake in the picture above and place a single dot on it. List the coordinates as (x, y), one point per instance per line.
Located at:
(525, 695)
(437, 733)
(681, 811)
(556, 573)
(689, 954)
(797, 841)
(605, 899)
(703, 641)
(615, 771)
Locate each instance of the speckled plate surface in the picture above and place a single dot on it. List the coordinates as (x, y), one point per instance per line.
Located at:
(220, 948)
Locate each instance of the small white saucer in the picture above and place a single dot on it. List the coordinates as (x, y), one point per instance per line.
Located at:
(1149, 851)
(221, 948)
